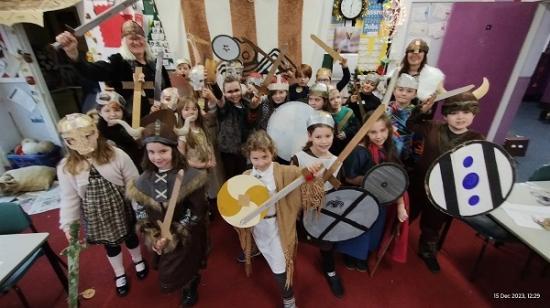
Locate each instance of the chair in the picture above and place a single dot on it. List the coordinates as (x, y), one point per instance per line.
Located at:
(14, 220)
(490, 231)
(541, 174)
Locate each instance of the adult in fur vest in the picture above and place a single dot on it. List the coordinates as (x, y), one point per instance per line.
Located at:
(134, 52)
(430, 79)
(179, 260)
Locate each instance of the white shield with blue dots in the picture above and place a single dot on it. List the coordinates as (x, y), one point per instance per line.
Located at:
(471, 179)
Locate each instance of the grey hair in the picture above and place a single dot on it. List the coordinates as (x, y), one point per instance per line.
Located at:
(129, 56)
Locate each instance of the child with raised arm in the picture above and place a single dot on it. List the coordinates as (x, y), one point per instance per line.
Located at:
(275, 235)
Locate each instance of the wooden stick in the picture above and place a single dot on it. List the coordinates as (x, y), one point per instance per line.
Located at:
(136, 103)
(354, 141)
(335, 55)
(385, 248)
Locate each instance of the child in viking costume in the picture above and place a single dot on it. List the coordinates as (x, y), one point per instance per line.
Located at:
(324, 75)
(459, 112)
(197, 145)
(300, 90)
(194, 144)
(399, 112)
(235, 123)
(366, 97)
(278, 95)
(178, 260)
(111, 108)
(318, 97)
(92, 178)
(275, 235)
(344, 119)
(320, 137)
(377, 147)
(168, 100)
(183, 66)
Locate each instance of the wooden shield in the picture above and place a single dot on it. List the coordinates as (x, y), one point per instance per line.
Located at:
(471, 179)
(239, 196)
(386, 182)
(348, 213)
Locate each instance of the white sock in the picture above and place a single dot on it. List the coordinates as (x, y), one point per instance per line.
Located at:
(331, 274)
(135, 253)
(116, 263)
(289, 302)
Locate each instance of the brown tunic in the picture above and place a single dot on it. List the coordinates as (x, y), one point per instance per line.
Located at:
(183, 257)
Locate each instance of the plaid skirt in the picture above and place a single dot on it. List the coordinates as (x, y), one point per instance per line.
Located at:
(107, 215)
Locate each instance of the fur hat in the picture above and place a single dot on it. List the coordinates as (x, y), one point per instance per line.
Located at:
(131, 27)
(418, 45)
(278, 83)
(467, 101)
(160, 132)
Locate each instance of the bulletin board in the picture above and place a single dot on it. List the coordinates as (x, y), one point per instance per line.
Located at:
(428, 21)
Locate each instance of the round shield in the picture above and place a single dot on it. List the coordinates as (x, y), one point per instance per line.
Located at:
(225, 47)
(471, 179)
(348, 213)
(238, 197)
(386, 182)
(287, 127)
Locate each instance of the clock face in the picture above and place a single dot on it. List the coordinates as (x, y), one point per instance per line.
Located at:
(351, 9)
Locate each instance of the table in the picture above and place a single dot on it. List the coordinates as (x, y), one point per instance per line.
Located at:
(537, 240)
(16, 249)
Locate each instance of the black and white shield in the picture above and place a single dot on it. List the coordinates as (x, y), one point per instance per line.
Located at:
(386, 182)
(348, 213)
(471, 179)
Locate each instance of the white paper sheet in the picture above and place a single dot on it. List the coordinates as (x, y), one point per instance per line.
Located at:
(418, 29)
(441, 11)
(23, 99)
(524, 215)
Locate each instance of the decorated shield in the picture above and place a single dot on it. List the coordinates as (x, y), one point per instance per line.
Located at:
(225, 47)
(386, 182)
(471, 179)
(287, 127)
(239, 196)
(348, 213)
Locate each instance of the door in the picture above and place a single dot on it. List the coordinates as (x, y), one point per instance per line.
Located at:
(484, 39)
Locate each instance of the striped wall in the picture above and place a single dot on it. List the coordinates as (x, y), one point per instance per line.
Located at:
(268, 23)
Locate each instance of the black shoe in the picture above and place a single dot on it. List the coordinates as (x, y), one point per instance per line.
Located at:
(143, 273)
(431, 262)
(349, 262)
(122, 290)
(190, 295)
(361, 266)
(335, 285)
(241, 258)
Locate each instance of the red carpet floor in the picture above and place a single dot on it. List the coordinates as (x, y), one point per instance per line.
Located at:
(224, 283)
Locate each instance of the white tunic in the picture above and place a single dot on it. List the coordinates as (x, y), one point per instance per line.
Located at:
(305, 159)
(266, 232)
